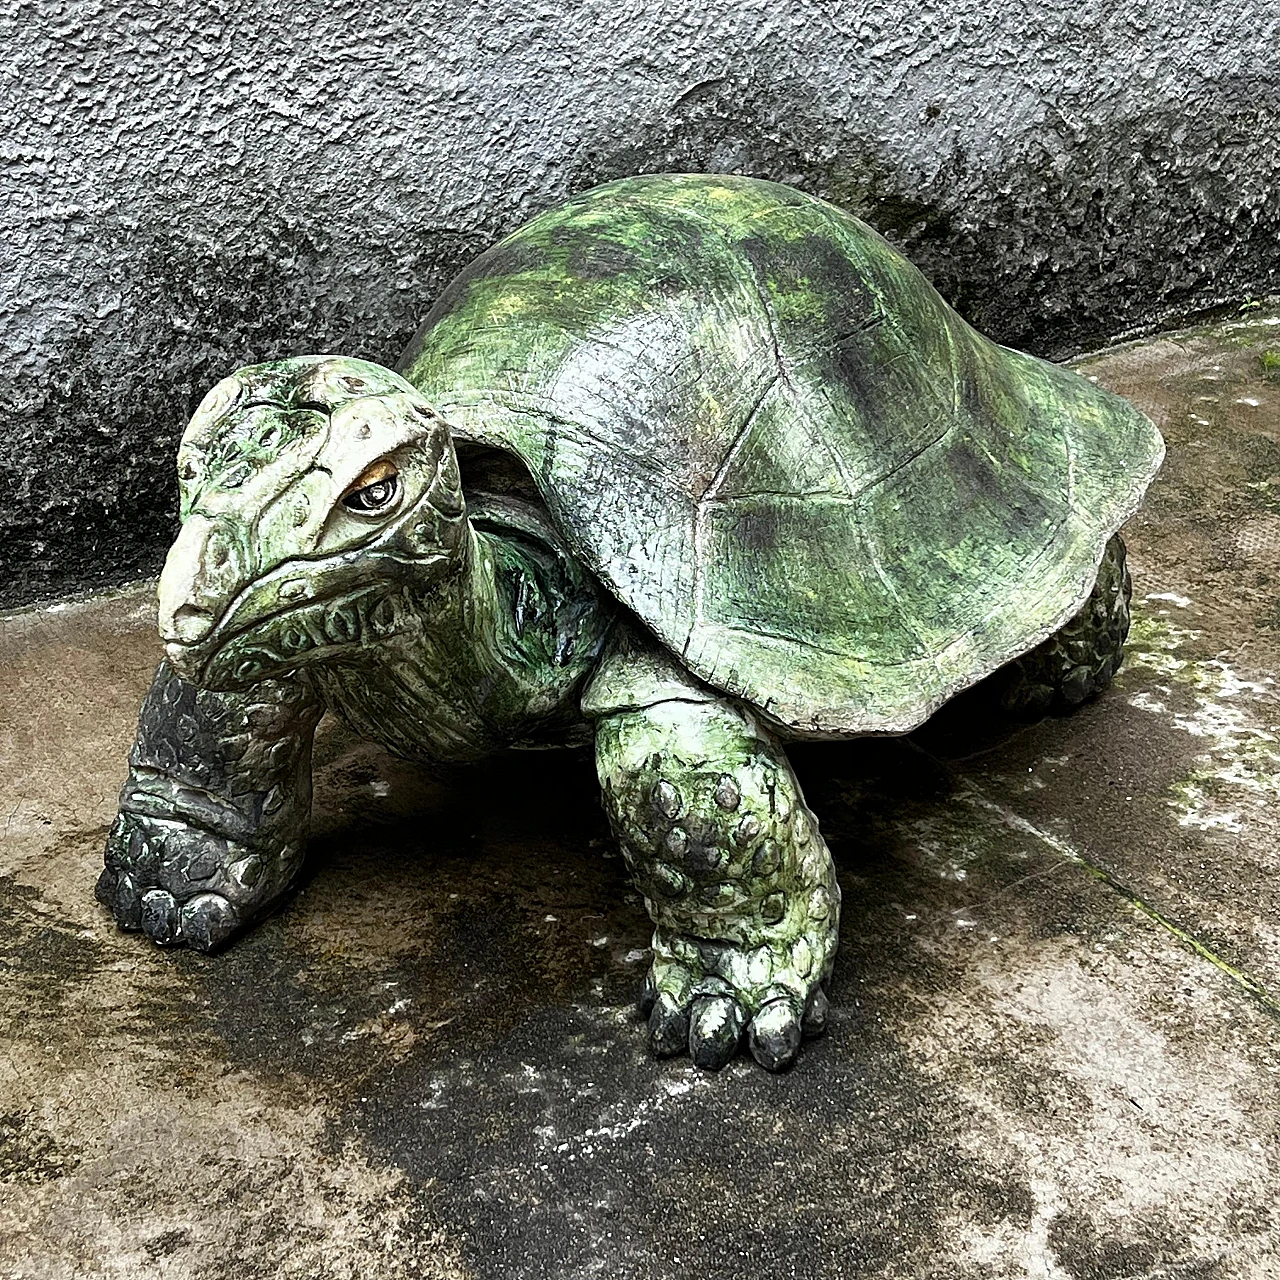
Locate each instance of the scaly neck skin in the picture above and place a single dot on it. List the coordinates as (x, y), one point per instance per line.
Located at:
(474, 671)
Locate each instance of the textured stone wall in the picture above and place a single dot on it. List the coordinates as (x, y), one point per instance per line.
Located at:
(189, 187)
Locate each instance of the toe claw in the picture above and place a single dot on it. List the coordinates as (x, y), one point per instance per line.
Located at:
(648, 995)
(774, 1035)
(105, 889)
(127, 905)
(207, 921)
(668, 1026)
(159, 917)
(815, 1013)
(715, 1029)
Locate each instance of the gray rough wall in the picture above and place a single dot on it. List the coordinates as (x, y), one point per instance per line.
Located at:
(190, 187)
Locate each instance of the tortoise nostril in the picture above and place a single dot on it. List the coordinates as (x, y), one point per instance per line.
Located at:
(190, 623)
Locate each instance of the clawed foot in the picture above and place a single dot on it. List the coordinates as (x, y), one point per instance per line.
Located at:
(702, 996)
(185, 887)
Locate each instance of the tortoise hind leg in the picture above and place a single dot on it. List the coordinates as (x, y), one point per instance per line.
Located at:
(1078, 662)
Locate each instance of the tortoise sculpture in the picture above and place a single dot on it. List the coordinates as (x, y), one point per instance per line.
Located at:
(691, 466)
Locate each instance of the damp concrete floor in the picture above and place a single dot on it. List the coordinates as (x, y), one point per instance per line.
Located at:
(1053, 1051)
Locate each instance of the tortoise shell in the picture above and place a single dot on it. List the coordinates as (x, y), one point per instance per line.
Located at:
(768, 435)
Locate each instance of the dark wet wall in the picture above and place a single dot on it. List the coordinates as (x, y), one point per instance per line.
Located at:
(187, 188)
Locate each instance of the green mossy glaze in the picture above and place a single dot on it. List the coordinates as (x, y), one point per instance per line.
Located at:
(765, 431)
(818, 494)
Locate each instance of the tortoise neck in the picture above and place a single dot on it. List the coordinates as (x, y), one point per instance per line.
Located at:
(484, 669)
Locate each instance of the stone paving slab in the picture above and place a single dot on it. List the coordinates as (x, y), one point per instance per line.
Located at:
(1053, 1050)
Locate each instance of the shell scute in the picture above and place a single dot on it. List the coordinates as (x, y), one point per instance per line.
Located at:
(765, 431)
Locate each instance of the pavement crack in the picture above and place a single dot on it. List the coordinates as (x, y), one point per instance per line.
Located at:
(972, 795)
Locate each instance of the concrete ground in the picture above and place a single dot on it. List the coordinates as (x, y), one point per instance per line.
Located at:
(1053, 1049)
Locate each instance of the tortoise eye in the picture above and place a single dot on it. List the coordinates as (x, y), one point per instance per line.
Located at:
(375, 492)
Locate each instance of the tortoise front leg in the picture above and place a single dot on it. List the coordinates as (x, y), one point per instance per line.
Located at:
(213, 818)
(739, 883)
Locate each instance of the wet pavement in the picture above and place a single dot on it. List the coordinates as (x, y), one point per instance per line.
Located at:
(1053, 1049)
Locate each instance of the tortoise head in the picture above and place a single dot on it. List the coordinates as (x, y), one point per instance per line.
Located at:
(319, 496)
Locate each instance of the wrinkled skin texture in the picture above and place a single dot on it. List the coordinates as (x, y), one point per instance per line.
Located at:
(710, 406)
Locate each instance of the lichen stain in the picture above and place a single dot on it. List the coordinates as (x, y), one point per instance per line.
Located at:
(1237, 773)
